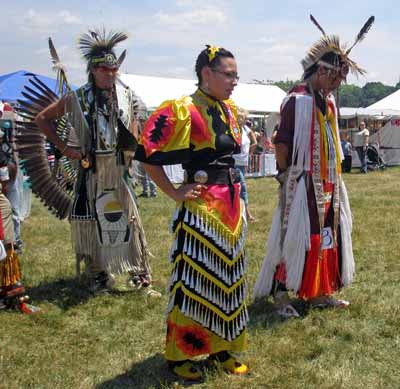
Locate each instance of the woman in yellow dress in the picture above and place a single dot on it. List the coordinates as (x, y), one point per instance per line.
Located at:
(206, 313)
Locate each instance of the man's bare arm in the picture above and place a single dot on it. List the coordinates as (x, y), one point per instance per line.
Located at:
(44, 121)
(281, 155)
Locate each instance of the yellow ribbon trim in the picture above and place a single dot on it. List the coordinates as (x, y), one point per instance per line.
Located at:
(199, 237)
(332, 120)
(10, 271)
(207, 304)
(201, 205)
(214, 280)
(324, 143)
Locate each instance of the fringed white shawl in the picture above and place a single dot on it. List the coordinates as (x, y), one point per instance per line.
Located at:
(289, 237)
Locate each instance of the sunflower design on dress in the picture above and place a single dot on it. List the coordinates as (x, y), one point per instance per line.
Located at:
(171, 326)
(192, 340)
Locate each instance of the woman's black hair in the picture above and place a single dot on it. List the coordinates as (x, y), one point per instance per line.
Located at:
(204, 60)
(359, 125)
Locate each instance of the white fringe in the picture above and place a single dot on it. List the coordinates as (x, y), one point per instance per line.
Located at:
(271, 260)
(84, 238)
(117, 259)
(125, 103)
(301, 142)
(78, 121)
(297, 239)
(346, 226)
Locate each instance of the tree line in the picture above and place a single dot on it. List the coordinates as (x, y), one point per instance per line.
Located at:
(353, 95)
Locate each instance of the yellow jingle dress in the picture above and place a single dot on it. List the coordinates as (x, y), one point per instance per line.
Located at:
(206, 313)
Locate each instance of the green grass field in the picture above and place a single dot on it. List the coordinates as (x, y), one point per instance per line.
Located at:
(117, 340)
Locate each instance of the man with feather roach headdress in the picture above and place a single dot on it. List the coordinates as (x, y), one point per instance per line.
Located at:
(101, 116)
(309, 249)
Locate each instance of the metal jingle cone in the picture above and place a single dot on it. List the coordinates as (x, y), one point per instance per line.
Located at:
(85, 163)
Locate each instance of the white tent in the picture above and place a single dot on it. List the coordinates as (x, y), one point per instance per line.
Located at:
(388, 139)
(258, 98)
(374, 113)
(154, 90)
(391, 102)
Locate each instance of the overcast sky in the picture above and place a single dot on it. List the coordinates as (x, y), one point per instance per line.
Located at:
(268, 38)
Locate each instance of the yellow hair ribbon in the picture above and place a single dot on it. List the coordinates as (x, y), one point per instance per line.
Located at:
(212, 52)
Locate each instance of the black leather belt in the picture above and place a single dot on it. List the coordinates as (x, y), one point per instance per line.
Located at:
(226, 176)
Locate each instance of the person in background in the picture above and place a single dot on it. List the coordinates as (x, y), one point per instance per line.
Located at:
(14, 185)
(347, 149)
(12, 291)
(265, 142)
(360, 143)
(249, 143)
(274, 134)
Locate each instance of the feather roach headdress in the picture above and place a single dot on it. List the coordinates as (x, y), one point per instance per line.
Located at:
(330, 53)
(97, 48)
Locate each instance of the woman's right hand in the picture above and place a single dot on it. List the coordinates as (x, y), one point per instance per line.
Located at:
(188, 192)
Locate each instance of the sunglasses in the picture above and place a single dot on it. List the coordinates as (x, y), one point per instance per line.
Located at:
(232, 76)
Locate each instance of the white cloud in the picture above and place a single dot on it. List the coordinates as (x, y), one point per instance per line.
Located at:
(262, 41)
(268, 41)
(47, 22)
(68, 18)
(158, 59)
(178, 71)
(33, 20)
(189, 20)
(185, 3)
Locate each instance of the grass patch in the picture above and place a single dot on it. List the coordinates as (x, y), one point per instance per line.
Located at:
(117, 341)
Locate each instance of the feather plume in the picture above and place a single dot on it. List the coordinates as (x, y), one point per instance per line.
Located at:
(53, 53)
(327, 44)
(59, 68)
(363, 32)
(99, 40)
(317, 24)
(121, 58)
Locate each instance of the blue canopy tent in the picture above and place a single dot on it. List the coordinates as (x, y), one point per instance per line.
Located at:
(12, 84)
